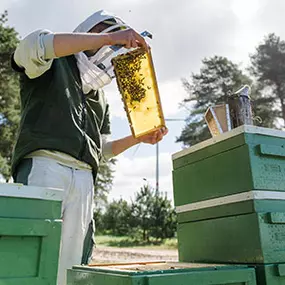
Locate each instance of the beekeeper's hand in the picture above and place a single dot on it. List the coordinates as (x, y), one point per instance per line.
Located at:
(154, 137)
(129, 38)
(120, 145)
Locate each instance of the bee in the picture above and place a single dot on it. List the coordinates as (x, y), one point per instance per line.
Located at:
(127, 69)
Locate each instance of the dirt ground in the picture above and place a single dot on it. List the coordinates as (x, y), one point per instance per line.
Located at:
(114, 254)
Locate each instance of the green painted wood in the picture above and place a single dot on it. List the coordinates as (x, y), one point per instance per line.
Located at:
(209, 151)
(192, 267)
(24, 281)
(267, 170)
(232, 209)
(13, 207)
(220, 175)
(270, 274)
(248, 238)
(239, 164)
(24, 227)
(29, 251)
(201, 276)
(31, 255)
(277, 218)
(233, 277)
(30, 231)
(226, 145)
(20, 253)
(281, 269)
(48, 262)
(79, 277)
(216, 212)
(272, 150)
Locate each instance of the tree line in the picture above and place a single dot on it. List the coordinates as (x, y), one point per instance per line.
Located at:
(149, 216)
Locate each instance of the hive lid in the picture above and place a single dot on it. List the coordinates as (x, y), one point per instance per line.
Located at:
(159, 267)
(33, 192)
(235, 132)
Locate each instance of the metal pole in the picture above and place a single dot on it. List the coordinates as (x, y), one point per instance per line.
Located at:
(157, 168)
(157, 157)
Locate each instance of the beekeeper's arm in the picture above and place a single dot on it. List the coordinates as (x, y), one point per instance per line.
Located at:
(36, 51)
(123, 144)
(112, 148)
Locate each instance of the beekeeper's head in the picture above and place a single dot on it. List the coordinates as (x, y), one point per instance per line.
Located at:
(101, 22)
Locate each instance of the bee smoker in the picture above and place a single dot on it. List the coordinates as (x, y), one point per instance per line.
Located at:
(240, 107)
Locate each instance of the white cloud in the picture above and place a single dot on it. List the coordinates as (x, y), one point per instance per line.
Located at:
(2, 179)
(245, 10)
(6, 4)
(114, 99)
(131, 172)
(172, 93)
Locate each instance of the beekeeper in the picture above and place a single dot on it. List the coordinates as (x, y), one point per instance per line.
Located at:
(65, 121)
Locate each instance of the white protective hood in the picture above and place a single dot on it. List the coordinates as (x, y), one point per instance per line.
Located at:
(92, 76)
(94, 20)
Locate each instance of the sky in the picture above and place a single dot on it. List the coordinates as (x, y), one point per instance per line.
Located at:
(184, 32)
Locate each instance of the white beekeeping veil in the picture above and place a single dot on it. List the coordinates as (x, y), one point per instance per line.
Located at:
(93, 72)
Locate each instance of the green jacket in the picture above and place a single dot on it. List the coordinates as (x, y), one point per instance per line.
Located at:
(57, 115)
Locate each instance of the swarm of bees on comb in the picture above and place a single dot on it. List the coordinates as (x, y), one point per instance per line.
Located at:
(127, 68)
(137, 84)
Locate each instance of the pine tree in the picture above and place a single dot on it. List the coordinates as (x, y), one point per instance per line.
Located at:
(104, 183)
(268, 66)
(218, 77)
(9, 96)
(152, 214)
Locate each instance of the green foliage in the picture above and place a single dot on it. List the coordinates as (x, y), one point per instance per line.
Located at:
(103, 185)
(142, 210)
(268, 67)
(164, 222)
(150, 216)
(9, 95)
(102, 188)
(128, 241)
(116, 218)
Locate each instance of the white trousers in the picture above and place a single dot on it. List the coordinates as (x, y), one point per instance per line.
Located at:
(77, 206)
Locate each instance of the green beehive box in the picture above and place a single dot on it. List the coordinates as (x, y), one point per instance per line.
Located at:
(30, 230)
(255, 201)
(248, 227)
(246, 158)
(161, 273)
(246, 238)
(270, 274)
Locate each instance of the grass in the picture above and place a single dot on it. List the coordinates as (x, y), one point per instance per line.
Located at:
(125, 241)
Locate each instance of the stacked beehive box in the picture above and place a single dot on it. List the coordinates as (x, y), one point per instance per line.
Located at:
(230, 198)
(30, 228)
